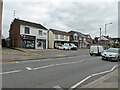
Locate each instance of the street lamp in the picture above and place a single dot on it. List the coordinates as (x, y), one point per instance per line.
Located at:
(105, 30)
(105, 27)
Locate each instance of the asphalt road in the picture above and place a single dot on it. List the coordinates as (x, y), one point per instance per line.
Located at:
(52, 73)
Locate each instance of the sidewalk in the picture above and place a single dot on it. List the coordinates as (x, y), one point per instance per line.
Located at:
(108, 81)
(20, 54)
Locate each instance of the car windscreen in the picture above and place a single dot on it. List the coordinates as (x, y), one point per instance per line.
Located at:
(112, 50)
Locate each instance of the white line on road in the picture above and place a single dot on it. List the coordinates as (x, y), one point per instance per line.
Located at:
(29, 68)
(11, 72)
(43, 67)
(76, 85)
(58, 88)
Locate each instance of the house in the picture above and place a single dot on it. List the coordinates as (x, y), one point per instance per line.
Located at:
(78, 39)
(25, 34)
(57, 37)
(88, 40)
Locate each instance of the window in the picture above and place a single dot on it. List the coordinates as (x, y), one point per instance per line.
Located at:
(80, 38)
(40, 32)
(84, 39)
(56, 36)
(62, 36)
(74, 37)
(66, 37)
(27, 30)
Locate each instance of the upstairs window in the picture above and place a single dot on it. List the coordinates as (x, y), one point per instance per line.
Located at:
(40, 32)
(66, 37)
(56, 36)
(27, 30)
(62, 36)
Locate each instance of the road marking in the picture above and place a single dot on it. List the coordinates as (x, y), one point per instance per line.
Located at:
(58, 88)
(29, 68)
(105, 71)
(76, 85)
(43, 67)
(10, 72)
(70, 62)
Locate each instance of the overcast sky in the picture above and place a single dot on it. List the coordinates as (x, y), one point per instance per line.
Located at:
(83, 16)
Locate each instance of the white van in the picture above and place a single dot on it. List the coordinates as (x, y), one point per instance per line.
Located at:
(96, 50)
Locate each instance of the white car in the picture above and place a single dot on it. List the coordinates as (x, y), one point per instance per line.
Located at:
(73, 47)
(111, 54)
(63, 47)
(96, 50)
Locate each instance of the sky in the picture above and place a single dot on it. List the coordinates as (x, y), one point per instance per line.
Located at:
(86, 16)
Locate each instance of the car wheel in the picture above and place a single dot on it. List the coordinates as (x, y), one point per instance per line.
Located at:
(64, 49)
(91, 54)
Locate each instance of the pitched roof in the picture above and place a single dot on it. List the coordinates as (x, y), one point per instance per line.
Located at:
(59, 32)
(79, 33)
(23, 22)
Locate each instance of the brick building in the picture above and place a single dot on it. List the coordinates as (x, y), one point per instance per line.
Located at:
(78, 39)
(25, 34)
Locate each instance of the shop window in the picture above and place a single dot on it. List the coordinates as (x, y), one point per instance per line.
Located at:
(56, 36)
(40, 32)
(27, 30)
(62, 36)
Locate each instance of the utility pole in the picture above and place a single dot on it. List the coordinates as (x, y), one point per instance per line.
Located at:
(100, 36)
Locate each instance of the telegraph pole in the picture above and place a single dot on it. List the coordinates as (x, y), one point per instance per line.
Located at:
(100, 36)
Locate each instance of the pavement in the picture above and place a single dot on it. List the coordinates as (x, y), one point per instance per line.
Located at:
(108, 81)
(19, 54)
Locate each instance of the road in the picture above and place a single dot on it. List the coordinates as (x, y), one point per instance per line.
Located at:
(53, 73)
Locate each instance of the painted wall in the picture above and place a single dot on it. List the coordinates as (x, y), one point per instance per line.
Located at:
(35, 32)
(59, 38)
(51, 39)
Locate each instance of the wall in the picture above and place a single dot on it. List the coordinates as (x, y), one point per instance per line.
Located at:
(15, 34)
(51, 39)
(34, 32)
(62, 39)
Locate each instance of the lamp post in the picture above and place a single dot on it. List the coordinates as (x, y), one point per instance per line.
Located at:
(105, 30)
(105, 27)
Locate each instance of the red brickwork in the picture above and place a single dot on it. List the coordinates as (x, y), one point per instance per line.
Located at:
(15, 34)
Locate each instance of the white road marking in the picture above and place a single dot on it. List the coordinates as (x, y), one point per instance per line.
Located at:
(105, 71)
(43, 67)
(10, 72)
(76, 85)
(28, 68)
(58, 88)
(70, 62)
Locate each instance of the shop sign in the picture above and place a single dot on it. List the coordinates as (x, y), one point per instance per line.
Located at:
(28, 37)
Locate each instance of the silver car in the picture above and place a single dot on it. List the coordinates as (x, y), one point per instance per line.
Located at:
(111, 54)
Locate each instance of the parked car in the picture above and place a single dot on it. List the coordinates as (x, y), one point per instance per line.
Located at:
(73, 47)
(63, 47)
(96, 50)
(111, 54)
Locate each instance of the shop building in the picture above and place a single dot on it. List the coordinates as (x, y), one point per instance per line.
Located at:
(77, 38)
(25, 34)
(57, 37)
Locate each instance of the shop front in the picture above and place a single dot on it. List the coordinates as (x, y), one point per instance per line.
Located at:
(41, 44)
(28, 41)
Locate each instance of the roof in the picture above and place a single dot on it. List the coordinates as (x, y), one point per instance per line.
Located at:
(59, 32)
(23, 22)
(73, 32)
